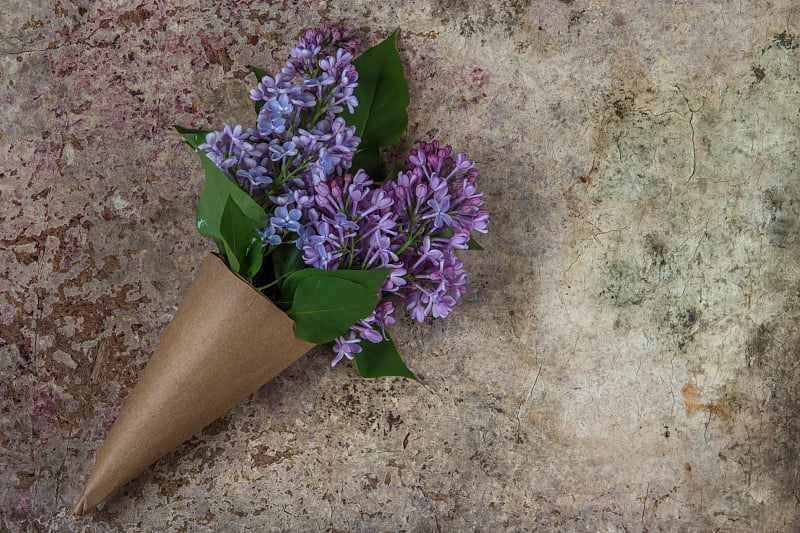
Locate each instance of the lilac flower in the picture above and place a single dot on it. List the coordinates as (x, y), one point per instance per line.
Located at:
(286, 219)
(321, 81)
(303, 99)
(441, 304)
(370, 329)
(480, 221)
(256, 178)
(226, 148)
(279, 106)
(320, 257)
(427, 252)
(280, 151)
(440, 216)
(270, 87)
(270, 124)
(306, 236)
(346, 347)
(340, 221)
(325, 163)
(395, 280)
(365, 330)
(383, 314)
(268, 236)
(417, 303)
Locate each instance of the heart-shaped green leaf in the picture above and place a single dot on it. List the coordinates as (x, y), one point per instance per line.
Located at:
(193, 138)
(380, 118)
(371, 280)
(324, 308)
(286, 258)
(212, 201)
(472, 244)
(241, 241)
(370, 162)
(381, 359)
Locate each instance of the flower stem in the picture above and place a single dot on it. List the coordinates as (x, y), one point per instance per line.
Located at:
(271, 283)
(409, 241)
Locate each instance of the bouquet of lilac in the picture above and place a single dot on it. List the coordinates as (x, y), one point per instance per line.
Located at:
(300, 209)
(299, 205)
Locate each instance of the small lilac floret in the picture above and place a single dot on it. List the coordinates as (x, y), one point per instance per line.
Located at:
(286, 219)
(280, 151)
(268, 236)
(346, 348)
(279, 106)
(440, 216)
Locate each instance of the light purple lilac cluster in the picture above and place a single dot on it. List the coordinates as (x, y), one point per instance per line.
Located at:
(298, 135)
(412, 225)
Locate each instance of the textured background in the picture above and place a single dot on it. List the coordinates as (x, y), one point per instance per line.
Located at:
(626, 358)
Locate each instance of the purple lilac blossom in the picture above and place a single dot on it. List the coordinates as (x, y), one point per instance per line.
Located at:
(436, 192)
(295, 162)
(298, 139)
(412, 225)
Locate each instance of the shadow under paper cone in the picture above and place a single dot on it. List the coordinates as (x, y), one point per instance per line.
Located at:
(225, 341)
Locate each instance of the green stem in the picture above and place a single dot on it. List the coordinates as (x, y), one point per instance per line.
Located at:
(352, 253)
(409, 241)
(405, 245)
(318, 114)
(271, 283)
(267, 286)
(411, 236)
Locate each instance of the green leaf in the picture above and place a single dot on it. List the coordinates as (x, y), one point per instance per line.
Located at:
(380, 118)
(241, 241)
(472, 244)
(259, 76)
(324, 307)
(370, 280)
(193, 138)
(212, 201)
(370, 162)
(381, 359)
(231, 258)
(258, 73)
(286, 258)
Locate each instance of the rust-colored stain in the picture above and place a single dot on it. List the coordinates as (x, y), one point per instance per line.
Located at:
(263, 458)
(435, 496)
(691, 398)
(370, 481)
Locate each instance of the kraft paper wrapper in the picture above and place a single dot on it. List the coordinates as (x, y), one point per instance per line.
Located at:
(225, 341)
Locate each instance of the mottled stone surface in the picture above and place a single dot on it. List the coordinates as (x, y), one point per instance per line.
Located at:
(627, 357)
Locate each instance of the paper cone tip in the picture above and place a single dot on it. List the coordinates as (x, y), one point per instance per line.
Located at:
(80, 507)
(210, 358)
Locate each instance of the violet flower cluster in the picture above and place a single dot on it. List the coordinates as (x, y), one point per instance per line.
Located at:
(295, 162)
(298, 135)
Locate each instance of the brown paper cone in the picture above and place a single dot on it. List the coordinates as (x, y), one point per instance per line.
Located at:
(225, 341)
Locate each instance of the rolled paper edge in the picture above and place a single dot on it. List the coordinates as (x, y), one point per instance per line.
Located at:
(100, 483)
(80, 508)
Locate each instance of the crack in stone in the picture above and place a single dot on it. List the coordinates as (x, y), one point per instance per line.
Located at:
(526, 401)
(691, 125)
(13, 53)
(694, 147)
